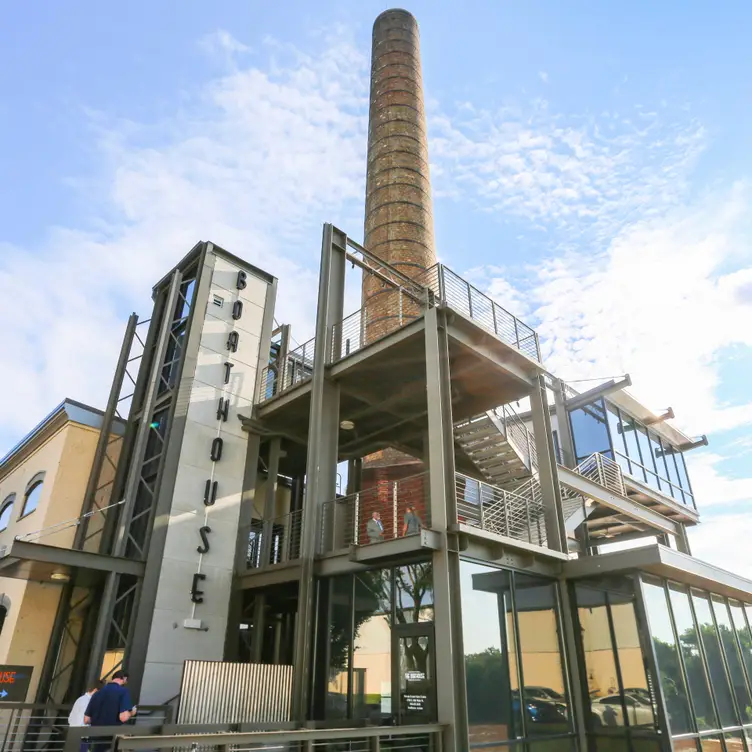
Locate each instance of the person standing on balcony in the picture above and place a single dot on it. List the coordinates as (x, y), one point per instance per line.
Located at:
(375, 528)
(76, 717)
(111, 706)
(412, 524)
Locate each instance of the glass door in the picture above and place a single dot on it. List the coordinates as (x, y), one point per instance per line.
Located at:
(413, 679)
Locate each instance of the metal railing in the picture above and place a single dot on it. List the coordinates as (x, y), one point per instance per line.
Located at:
(426, 738)
(518, 434)
(296, 368)
(282, 545)
(457, 293)
(604, 471)
(514, 514)
(377, 513)
(37, 727)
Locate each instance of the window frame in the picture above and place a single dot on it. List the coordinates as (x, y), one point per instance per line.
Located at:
(8, 502)
(36, 481)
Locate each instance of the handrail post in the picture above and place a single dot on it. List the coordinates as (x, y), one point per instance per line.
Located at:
(356, 519)
(516, 331)
(394, 509)
(493, 316)
(469, 299)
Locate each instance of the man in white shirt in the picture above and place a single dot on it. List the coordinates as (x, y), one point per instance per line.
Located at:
(76, 717)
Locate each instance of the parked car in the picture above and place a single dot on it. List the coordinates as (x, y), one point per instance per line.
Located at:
(607, 711)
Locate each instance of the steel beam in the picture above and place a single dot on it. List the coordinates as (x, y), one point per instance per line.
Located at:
(270, 500)
(564, 429)
(451, 692)
(321, 461)
(67, 557)
(548, 476)
(599, 391)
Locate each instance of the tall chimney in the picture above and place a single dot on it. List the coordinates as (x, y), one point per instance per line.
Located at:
(399, 215)
(398, 219)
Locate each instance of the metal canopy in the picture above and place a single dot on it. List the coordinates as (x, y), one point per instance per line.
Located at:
(36, 562)
(663, 562)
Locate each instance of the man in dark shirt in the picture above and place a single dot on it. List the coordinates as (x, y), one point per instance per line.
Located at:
(111, 706)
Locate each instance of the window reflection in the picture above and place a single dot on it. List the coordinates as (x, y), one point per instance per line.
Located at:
(743, 635)
(698, 686)
(633, 447)
(712, 647)
(589, 430)
(413, 594)
(733, 659)
(669, 663)
(340, 629)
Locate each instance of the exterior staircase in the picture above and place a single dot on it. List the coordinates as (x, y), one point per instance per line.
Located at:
(501, 447)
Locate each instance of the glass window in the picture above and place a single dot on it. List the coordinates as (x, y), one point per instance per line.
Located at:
(669, 662)
(494, 711)
(712, 647)
(600, 661)
(5, 512)
(31, 500)
(660, 463)
(668, 454)
(413, 593)
(681, 468)
(646, 451)
(372, 648)
(3, 616)
(545, 693)
(340, 642)
(733, 659)
(734, 743)
(589, 430)
(633, 448)
(617, 438)
(743, 636)
(711, 744)
(696, 679)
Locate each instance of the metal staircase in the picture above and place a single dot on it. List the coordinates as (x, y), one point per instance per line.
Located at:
(502, 448)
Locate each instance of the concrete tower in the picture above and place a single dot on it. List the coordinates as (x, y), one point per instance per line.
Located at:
(399, 215)
(399, 212)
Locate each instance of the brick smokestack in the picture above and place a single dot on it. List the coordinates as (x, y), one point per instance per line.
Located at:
(399, 214)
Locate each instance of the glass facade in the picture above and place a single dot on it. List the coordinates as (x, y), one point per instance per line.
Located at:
(514, 668)
(702, 647)
(375, 643)
(603, 427)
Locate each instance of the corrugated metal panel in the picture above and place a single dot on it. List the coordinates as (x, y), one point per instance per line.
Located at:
(218, 692)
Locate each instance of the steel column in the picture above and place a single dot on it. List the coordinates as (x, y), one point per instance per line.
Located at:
(270, 500)
(564, 430)
(451, 693)
(548, 475)
(321, 460)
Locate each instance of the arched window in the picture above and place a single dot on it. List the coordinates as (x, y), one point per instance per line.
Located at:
(4, 608)
(5, 512)
(33, 494)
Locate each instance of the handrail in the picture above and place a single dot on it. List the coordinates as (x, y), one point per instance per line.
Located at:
(516, 431)
(603, 471)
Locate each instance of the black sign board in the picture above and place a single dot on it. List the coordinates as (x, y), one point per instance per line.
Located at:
(14, 682)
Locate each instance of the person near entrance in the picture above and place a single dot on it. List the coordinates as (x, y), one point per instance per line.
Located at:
(76, 717)
(375, 528)
(111, 706)
(412, 524)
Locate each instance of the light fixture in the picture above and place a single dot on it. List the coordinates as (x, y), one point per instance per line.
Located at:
(60, 577)
(347, 425)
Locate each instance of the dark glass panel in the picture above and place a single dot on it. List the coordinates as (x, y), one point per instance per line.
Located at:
(733, 659)
(340, 643)
(743, 636)
(616, 429)
(633, 448)
(544, 694)
(611, 744)
(600, 663)
(669, 662)
(646, 451)
(712, 646)
(413, 593)
(372, 648)
(552, 745)
(589, 430)
(494, 715)
(660, 464)
(696, 679)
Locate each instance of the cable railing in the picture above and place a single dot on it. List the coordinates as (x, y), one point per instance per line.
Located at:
(514, 514)
(518, 434)
(275, 541)
(297, 367)
(449, 288)
(383, 511)
(603, 471)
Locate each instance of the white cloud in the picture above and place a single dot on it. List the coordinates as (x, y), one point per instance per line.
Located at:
(723, 540)
(713, 488)
(256, 162)
(543, 76)
(223, 44)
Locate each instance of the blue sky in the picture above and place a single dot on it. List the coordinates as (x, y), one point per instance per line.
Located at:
(591, 167)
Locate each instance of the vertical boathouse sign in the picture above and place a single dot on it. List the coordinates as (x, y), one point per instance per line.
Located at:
(215, 452)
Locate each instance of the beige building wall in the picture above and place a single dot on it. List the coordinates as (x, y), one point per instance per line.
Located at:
(65, 457)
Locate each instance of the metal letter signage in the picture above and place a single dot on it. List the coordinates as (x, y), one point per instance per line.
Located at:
(197, 596)
(237, 309)
(222, 410)
(228, 368)
(241, 283)
(210, 493)
(216, 449)
(14, 683)
(232, 342)
(204, 533)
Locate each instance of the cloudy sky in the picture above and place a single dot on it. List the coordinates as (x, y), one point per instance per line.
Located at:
(591, 167)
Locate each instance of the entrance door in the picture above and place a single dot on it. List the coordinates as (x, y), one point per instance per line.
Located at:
(413, 674)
